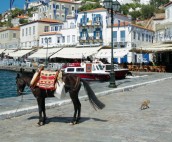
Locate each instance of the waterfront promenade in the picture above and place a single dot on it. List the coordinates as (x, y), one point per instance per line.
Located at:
(120, 121)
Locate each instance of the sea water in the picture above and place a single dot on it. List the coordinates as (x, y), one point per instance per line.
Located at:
(8, 84)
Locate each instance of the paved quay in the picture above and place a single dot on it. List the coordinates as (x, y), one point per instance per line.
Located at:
(16, 106)
(120, 121)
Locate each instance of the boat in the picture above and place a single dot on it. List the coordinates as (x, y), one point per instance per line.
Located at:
(120, 73)
(88, 71)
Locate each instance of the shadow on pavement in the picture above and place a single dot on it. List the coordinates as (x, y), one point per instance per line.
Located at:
(67, 119)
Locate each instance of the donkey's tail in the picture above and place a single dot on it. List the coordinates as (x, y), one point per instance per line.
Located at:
(97, 104)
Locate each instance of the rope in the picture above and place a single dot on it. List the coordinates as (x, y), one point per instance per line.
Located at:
(20, 103)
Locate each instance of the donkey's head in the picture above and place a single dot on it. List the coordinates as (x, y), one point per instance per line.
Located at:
(20, 82)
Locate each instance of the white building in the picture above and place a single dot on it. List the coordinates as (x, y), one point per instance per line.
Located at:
(9, 38)
(29, 33)
(95, 28)
(60, 34)
(56, 10)
(163, 26)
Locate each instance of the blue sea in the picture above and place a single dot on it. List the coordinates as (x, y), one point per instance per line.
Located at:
(8, 84)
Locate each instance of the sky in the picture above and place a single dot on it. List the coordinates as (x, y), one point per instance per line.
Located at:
(5, 4)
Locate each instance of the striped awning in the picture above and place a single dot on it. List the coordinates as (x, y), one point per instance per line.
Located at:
(117, 53)
(76, 52)
(43, 53)
(19, 53)
(1, 50)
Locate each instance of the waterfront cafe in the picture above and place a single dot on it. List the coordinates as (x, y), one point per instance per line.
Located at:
(161, 53)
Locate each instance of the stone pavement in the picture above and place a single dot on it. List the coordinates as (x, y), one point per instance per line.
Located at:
(16, 106)
(120, 121)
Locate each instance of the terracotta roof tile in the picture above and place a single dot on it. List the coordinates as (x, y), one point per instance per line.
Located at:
(50, 20)
(66, 1)
(127, 23)
(22, 16)
(50, 33)
(13, 28)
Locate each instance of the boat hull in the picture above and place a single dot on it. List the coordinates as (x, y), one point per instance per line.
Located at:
(92, 77)
(120, 74)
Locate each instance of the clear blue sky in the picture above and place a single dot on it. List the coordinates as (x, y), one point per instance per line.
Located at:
(5, 4)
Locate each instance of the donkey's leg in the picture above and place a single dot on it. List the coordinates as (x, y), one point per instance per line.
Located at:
(74, 101)
(40, 110)
(43, 110)
(77, 107)
(79, 110)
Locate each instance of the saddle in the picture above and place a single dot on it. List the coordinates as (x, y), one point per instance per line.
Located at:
(45, 79)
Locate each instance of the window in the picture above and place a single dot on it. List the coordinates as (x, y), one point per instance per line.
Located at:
(56, 28)
(73, 8)
(14, 35)
(62, 15)
(63, 39)
(62, 7)
(70, 70)
(58, 39)
(146, 37)
(42, 40)
(68, 39)
(72, 25)
(50, 40)
(52, 28)
(33, 30)
(143, 36)
(134, 35)
(115, 36)
(138, 36)
(29, 30)
(26, 31)
(46, 29)
(98, 34)
(73, 38)
(57, 6)
(122, 36)
(80, 70)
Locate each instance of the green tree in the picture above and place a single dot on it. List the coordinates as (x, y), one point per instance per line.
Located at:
(147, 11)
(157, 3)
(89, 6)
(23, 21)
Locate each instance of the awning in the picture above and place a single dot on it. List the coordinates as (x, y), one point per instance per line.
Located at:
(43, 53)
(76, 53)
(157, 47)
(117, 53)
(1, 50)
(7, 51)
(19, 53)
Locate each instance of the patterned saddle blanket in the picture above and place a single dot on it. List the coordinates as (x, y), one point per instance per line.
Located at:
(47, 80)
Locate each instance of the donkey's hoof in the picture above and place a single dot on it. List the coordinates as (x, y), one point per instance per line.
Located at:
(40, 123)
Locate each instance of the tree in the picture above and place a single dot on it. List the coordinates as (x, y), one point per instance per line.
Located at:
(89, 6)
(147, 11)
(157, 3)
(23, 21)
